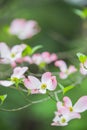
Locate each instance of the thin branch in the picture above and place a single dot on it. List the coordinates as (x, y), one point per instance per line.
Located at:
(26, 106)
(29, 104)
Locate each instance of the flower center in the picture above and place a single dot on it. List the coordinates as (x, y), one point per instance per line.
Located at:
(12, 55)
(71, 109)
(14, 79)
(43, 86)
(63, 120)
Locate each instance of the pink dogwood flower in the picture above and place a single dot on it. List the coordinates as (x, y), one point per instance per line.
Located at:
(48, 82)
(24, 29)
(66, 111)
(18, 74)
(44, 57)
(9, 56)
(64, 118)
(64, 71)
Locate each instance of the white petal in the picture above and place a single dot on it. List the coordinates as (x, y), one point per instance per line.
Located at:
(45, 77)
(6, 83)
(81, 104)
(32, 83)
(19, 71)
(43, 91)
(4, 50)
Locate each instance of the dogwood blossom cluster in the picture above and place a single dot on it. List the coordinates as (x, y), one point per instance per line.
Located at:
(14, 55)
(41, 59)
(24, 29)
(66, 111)
(48, 82)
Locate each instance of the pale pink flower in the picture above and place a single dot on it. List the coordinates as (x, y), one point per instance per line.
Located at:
(17, 26)
(44, 57)
(30, 29)
(48, 82)
(66, 111)
(9, 56)
(64, 70)
(83, 68)
(24, 29)
(64, 118)
(18, 73)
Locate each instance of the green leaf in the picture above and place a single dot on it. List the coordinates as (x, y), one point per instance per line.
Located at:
(2, 98)
(66, 89)
(82, 58)
(85, 12)
(81, 13)
(6, 29)
(34, 49)
(27, 51)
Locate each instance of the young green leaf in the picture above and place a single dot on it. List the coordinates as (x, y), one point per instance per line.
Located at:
(2, 98)
(34, 49)
(82, 58)
(81, 13)
(66, 89)
(27, 51)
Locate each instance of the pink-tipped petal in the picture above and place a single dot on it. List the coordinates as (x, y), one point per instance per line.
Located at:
(81, 104)
(32, 83)
(52, 83)
(46, 76)
(67, 102)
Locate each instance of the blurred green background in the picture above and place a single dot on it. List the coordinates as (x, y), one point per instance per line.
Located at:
(63, 32)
